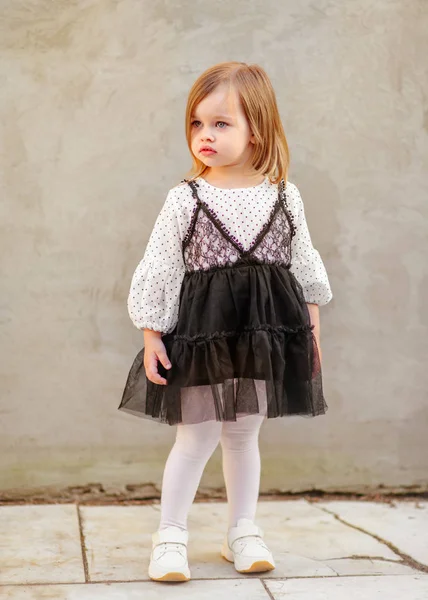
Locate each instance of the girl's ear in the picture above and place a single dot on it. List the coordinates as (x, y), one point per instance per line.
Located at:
(252, 138)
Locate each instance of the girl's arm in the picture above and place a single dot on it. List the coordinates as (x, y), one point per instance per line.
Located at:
(306, 263)
(153, 298)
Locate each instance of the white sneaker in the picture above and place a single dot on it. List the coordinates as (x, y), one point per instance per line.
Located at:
(245, 547)
(168, 560)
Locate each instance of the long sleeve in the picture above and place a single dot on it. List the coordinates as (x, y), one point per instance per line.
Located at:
(306, 263)
(154, 295)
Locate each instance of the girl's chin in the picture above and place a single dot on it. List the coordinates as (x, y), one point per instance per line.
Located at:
(205, 159)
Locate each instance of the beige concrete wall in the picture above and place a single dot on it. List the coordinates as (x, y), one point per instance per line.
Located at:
(92, 102)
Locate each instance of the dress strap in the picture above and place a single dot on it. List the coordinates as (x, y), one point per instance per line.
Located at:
(290, 217)
(193, 185)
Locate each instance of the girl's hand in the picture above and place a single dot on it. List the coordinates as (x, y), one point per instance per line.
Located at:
(154, 350)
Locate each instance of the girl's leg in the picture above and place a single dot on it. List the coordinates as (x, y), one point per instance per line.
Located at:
(186, 462)
(241, 466)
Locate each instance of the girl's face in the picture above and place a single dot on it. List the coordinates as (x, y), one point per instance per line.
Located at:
(220, 123)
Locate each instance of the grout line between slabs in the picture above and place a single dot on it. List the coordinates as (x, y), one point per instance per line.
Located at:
(268, 592)
(405, 558)
(249, 578)
(82, 545)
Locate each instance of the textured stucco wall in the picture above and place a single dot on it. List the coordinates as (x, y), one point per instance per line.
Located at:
(92, 98)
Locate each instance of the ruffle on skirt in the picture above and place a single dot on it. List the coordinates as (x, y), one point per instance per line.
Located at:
(243, 345)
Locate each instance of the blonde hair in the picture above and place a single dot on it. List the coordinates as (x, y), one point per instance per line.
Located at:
(270, 155)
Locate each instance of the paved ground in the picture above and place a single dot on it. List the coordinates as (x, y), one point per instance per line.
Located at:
(324, 551)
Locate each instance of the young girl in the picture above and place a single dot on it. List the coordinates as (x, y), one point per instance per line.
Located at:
(227, 295)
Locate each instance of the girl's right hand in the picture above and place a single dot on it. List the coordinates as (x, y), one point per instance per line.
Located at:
(154, 350)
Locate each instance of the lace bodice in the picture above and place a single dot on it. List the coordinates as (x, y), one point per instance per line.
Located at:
(209, 243)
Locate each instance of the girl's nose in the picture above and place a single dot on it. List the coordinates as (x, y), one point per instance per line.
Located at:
(206, 134)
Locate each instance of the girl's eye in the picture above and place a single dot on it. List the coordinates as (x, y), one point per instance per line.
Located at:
(195, 124)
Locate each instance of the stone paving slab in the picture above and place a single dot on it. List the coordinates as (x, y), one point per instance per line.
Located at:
(299, 528)
(306, 542)
(40, 544)
(404, 524)
(118, 541)
(244, 589)
(407, 587)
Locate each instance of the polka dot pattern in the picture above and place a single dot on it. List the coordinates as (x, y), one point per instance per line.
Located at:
(153, 299)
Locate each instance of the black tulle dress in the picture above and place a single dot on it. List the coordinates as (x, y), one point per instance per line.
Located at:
(243, 343)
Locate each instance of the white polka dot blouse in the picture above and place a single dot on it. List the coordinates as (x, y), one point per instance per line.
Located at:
(153, 299)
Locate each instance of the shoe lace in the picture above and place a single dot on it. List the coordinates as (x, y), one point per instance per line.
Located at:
(258, 539)
(171, 547)
(252, 538)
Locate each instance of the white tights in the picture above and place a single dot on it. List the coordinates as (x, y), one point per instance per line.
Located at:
(186, 462)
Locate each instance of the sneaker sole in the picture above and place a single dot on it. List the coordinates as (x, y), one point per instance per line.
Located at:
(259, 566)
(171, 577)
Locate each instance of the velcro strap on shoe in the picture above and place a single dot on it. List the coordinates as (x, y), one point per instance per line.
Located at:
(173, 536)
(237, 533)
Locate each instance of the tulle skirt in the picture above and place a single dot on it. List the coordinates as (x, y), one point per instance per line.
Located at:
(243, 345)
